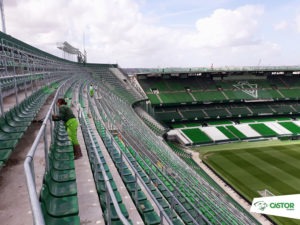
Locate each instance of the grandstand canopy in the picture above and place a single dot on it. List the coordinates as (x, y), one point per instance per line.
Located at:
(219, 71)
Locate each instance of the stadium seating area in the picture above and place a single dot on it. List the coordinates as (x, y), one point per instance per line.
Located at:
(161, 185)
(184, 98)
(168, 91)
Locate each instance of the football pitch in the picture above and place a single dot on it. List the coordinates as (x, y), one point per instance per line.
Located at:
(256, 166)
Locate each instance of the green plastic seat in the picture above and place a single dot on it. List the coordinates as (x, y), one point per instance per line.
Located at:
(128, 179)
(179, 209)
(100, 176)
(68, 148)
(22, 116)
(15, 122)
(9, 129)
(156, 194)
(185, 218)
(60, 189)
(61, 164)
(144, 206)
(151, 218)
(101, 186)
(62, 175)
(61, 156)
(11, 116)
(5, 154)
(131, 187)
(151, 187)
(164, 204)
(114, 215)
(170, 212)
(67, 220)
(9, 144)
(140, 195)
(177, 222)
(4, 136)
(125, 171)
(62, 138)
(166, 194)
(59, 207)
(63, 143)
(102, 198)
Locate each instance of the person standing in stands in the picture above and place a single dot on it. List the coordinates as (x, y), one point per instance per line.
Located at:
(71, 123)
(92, 91)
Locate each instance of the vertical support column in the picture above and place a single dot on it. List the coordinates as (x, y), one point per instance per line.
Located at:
(108, 211)
(135, 189)
(5, 59)
(51, 130)
(13, 59)
(36, 82)
(1, 101)
(25, 83)
(31, 83)
(16, 91)
(46, 148)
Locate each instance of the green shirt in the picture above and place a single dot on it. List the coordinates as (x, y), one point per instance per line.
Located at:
(65, 113)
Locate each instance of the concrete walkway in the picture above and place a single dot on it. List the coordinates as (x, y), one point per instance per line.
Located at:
(14, 198)
(127, 200)
(90, 211)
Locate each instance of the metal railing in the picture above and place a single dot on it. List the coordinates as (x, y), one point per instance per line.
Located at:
(138, 178)
(121, 115)
(110, 193)
(38, 218)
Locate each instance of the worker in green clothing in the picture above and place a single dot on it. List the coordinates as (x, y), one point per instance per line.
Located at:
(71, 123)
(92, 91)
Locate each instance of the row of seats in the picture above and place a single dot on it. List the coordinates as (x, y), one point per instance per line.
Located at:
(110, 214)
(162, 195)
(15, 122)
(107, 78)
(58, 198)
(109, 210)
(172, 114)
(193, 189)
(9, 82)
(187, 157)
(143, 205)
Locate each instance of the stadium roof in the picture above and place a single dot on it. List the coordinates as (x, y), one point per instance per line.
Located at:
(263, 70)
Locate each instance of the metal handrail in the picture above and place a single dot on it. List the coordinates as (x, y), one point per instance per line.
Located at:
(107, 183)
(38, 218)
(136, 174)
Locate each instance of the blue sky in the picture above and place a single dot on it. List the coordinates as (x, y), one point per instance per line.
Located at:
(165, 33)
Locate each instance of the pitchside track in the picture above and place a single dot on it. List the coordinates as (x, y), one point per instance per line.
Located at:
(255, 166)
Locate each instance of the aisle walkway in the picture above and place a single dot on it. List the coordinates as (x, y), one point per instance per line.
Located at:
(14, 199)
(90, 211)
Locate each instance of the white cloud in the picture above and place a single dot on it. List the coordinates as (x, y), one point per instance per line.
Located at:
(281, 25)
(116, 31)
(228, 27)
(297, 23)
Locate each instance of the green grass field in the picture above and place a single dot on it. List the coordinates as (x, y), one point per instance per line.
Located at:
(255, 166)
